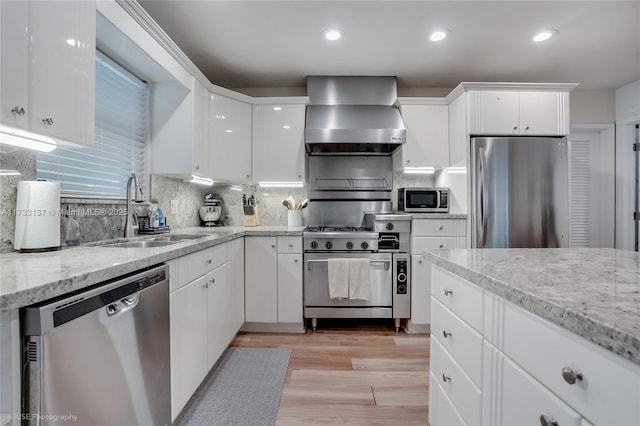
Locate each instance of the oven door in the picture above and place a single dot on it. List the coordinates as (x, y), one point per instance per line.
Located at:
(317, 302)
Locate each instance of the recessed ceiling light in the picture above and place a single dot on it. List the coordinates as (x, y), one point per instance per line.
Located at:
(286, 127)
(439, 35)
(332, 34)
(544, 35)
(277, 108)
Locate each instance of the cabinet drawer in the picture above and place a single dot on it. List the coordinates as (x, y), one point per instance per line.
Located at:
(434, 227)
(461, 341)
(610, 389)
(525, 400)
(289, 245)
(460, 296)
(441, 409)
(464, 395)
(430, 243)
(214, 257)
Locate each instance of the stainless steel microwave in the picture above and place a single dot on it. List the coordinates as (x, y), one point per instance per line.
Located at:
(423, 200)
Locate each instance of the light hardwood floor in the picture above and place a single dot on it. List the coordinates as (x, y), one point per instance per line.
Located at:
(360, 375)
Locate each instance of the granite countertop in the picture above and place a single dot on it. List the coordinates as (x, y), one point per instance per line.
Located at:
(594, 293)
(438, 215)
(27, 278)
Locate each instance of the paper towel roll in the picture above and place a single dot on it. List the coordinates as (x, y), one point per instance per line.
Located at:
(37, 216)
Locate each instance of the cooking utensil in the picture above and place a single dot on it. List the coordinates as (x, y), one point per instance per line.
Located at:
(286, 204)
(292, 201)
(303, 204)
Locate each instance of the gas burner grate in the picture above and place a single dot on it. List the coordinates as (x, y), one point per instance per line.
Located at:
(337, 229)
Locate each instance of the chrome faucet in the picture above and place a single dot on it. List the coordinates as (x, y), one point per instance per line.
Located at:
(129, 227)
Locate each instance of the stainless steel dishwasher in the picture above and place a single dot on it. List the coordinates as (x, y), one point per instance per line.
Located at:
(101, 357)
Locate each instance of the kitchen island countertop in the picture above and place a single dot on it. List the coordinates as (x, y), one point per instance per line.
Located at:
(594, 293)
(28, 278)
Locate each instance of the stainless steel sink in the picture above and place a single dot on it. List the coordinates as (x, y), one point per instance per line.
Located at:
(159, 241)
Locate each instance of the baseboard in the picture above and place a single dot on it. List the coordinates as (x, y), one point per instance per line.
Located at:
(413, 328)
(273, 327)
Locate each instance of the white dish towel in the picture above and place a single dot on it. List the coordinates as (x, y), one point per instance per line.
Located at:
(338, 271)
(359, 279)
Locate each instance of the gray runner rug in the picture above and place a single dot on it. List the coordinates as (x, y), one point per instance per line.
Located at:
(243, 389)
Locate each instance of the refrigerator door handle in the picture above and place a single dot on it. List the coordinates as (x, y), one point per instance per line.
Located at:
(481, 206)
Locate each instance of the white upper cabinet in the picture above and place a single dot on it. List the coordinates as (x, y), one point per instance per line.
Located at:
(230, 146)
(278, 142)
(200, 143)
(519, 113)
(427, 124)
(48, 68)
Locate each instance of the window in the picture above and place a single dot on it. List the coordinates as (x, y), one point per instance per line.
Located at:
(101, 171)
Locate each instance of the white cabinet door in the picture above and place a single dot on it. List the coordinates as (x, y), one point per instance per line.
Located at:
(200, 142)
(218, 310)
(230, 148)
(261, 275)
(237, 283)
(189, 363)
(420, 290)
(290, 288)
(526, 401)
(48, 68)
(541, 113)
(427, 136)
(62, 69)
(14, 55)
(278, 142)
(496, 113)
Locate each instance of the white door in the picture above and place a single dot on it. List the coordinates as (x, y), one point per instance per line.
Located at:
(261, 275)
(592, 178)
(290, 288)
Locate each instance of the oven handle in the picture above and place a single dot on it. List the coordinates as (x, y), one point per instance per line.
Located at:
(387, 263)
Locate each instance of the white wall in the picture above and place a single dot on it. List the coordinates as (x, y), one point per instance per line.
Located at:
(592, 106)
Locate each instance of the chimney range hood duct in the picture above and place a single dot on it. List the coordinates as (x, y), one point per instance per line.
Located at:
(353, 115)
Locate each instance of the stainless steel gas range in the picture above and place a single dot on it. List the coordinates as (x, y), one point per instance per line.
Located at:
(350, 220)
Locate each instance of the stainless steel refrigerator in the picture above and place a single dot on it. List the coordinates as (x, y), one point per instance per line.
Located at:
(519, 192)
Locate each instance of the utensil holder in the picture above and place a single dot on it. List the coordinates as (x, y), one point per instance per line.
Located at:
(294, 218)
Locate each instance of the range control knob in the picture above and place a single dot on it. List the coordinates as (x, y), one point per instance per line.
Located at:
(402, 277)
(389, 226)
(328, 245)
(349, 245)
(314, 245)
(364, 245)
(402, 289)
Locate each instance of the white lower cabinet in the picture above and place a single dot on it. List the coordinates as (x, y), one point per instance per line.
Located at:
(428, 234)
(188, 345)
(237, 284)
(273, 281)
(204, 317)
(494, 363)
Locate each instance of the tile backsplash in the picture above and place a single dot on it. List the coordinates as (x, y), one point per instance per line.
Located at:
(105, 219)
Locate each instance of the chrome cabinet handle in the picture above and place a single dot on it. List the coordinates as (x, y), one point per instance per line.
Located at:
(445, 333)
(18, 110)
(420, 261)
(213, 280)
(248, 176)
(546, 421)
(441, 228)
(515, 128)
(441, 246)
(570, 375)
(290, 245)
(295, 260)
(527, 128)
(273, 246)
(445, 378)
(196, 168)
(48, 120)
(448, 292)
(205, 285)
(208, 261)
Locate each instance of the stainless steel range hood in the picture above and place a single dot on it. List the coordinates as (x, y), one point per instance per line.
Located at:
(348, 115)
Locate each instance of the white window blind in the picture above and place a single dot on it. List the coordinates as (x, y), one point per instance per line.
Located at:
(101, 171)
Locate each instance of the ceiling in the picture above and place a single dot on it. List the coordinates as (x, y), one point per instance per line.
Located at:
(272, 44)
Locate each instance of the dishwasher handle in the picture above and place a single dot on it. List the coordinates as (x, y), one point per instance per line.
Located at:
(126, 304)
